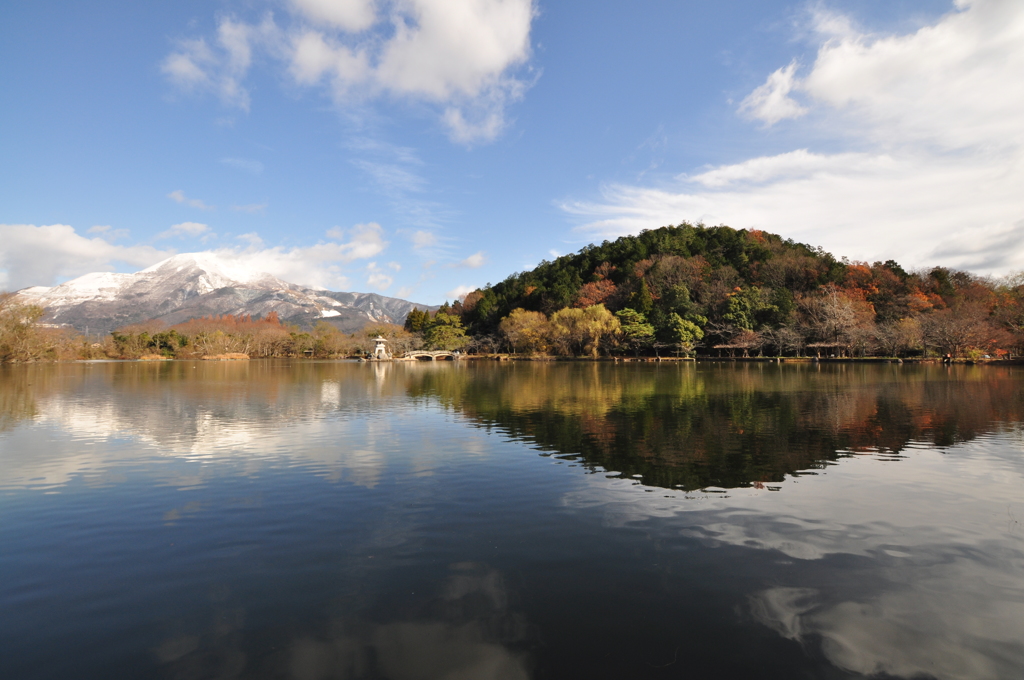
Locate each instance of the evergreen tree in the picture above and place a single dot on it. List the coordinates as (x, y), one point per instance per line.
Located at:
(445, 331)
(682, 333)
(636, 332)
(641, 300)
(417, 320)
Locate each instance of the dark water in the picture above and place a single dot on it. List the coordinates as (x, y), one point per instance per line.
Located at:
(486, 521)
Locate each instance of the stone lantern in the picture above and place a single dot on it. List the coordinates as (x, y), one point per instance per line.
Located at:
(380, 349)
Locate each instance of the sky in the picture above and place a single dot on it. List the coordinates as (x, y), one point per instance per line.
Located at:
(423, 148)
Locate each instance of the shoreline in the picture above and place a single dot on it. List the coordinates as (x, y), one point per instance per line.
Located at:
(235, 358)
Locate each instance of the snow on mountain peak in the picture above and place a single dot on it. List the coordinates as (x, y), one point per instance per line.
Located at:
(96, 286)
(191, 285)
(219, 270)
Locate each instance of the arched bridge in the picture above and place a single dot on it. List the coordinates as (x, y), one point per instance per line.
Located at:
(432, 355)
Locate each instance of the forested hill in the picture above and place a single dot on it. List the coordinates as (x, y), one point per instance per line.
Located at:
(705, 260)
(749, 289)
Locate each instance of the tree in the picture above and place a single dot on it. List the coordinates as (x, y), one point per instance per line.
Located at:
(634, 329)
(21, 339)
(641, 300)
(135, 340)
(525, 330)
(683, 334)
(580, 331)
(599, 323)
(832, 314)
(595, 293)
(953, 330)
(445, 332)
(747, 308)
(567, 330)
(786, 339)
(417, 320)
(898, 337)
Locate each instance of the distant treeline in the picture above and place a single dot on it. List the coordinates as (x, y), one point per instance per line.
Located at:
(23, 339)
(712, 291)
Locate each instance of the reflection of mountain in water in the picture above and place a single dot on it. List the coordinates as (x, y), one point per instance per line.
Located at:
(725, 425)
(251, 412)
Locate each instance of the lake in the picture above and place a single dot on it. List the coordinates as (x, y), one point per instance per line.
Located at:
(483, 520)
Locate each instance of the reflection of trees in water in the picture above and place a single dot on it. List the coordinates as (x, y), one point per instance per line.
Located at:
(16, 398)
(727, 425)
(684, 425)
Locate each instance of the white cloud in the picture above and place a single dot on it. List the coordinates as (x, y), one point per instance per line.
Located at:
(252, 238)
(46, 255)
(245, 164)
(934, 117)
(251, 208)
(954, 84)
(423, 239)
(828, 23)
(184, 229)
(347, 15)
(108, 232)
(186, 67)
(458, 54)
(366, 240)
(178, 196)
(315, 56)
(393, 179)
(771, 102)
(394, 172)
(447, 47)
(460, 292)
(486, 124)
(793, 165)
(320, 265)
(196, 66)
(474, 261)
(908, 632)
(377, 277)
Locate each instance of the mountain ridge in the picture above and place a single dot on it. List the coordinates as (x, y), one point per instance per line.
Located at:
(193, 285)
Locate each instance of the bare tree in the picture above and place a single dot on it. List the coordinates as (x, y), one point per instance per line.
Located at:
(833, 314)
(787, 339)
(953, 330)
(863, 339)
(898, 337)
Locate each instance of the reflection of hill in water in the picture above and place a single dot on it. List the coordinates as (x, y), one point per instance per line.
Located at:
(673, 425)
(730, 425)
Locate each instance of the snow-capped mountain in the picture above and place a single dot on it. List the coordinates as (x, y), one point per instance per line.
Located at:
(193, 285)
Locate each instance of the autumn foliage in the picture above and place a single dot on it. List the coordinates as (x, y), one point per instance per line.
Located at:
(750, 293)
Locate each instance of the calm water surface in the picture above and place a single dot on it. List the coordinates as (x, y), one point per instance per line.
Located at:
(484, 521)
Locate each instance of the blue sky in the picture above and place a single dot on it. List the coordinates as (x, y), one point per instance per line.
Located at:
(420, 148)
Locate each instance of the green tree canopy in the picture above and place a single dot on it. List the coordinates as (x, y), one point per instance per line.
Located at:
(636, 333)
(445, 332)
